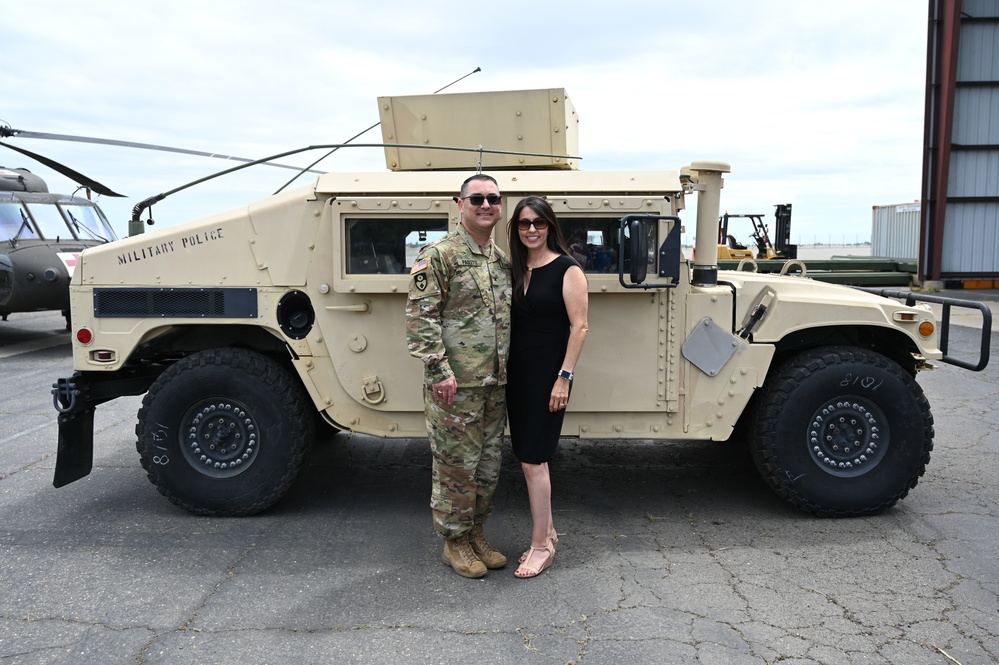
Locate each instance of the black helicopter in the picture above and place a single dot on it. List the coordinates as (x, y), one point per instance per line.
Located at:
(41, 236)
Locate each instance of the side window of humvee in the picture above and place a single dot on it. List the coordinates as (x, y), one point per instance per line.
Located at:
(595, 243)
(388, 246)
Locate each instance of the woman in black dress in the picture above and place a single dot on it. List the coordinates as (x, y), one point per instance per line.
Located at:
(547, 333)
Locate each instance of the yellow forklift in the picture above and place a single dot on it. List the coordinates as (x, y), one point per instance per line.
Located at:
(731, 249)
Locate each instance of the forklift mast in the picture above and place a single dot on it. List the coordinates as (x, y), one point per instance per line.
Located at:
(779, 248)
(782, 232)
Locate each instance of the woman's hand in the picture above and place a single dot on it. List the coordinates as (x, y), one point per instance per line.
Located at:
(560, 395)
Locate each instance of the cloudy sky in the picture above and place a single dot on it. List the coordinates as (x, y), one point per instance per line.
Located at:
(818, 104)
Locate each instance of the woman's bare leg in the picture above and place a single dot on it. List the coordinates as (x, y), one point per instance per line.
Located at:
(539, 492)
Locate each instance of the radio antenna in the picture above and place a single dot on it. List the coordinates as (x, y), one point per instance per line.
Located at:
(362, 133)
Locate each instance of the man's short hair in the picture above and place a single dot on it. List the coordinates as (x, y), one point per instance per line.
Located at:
(477, 176)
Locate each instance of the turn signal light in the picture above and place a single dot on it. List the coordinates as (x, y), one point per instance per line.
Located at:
(926, 329)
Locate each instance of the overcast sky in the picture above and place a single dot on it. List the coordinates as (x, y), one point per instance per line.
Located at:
(818, 104)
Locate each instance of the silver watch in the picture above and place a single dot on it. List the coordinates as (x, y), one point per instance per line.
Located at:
(565, 374)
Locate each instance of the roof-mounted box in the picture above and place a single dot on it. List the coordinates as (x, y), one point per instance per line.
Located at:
(531, 128)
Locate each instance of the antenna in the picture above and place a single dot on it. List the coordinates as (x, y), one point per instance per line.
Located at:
(474, 71)
(361, 133)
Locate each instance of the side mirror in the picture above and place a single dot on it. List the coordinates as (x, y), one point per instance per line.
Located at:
(639, 250)
(634, 236)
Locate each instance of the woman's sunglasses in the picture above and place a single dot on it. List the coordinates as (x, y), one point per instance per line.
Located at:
(539, 224)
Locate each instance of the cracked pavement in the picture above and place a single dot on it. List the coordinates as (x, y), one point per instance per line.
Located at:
(668, 552)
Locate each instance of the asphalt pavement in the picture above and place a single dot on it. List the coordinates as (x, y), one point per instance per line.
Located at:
(669, 552)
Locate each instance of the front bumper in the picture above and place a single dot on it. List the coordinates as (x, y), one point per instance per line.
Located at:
(947, 303)
(76, 398)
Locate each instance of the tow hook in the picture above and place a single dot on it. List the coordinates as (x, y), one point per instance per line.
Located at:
(64, 394)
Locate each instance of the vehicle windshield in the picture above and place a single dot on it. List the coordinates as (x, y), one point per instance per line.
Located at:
(51, 224)
(89, 222)
(12, 218)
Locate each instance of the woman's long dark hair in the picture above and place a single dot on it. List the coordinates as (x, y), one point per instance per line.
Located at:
(518, 252)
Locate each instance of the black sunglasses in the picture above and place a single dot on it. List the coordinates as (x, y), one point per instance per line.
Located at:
(478, 199)
(539, 224)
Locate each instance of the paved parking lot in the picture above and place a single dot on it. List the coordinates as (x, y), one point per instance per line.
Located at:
(669, 552)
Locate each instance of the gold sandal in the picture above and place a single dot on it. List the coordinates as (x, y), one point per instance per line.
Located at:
(554, 542)
(529, 572)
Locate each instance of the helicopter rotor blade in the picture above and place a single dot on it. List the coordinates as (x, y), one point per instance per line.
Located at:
(143, 146)
(75, 176)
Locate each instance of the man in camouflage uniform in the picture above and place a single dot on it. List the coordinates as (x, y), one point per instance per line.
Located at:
(458, 324)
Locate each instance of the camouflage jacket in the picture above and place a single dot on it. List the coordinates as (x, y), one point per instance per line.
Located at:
(458, 312)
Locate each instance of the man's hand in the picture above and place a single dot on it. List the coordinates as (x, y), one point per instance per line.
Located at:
(444, 391)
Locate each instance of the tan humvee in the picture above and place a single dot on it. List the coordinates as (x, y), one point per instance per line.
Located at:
(244, 328)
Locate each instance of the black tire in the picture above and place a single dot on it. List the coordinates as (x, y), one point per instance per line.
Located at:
(223, 432)
(841, 432)
(324, 429)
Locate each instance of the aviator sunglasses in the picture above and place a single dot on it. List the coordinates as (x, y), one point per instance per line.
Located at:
(478, 199)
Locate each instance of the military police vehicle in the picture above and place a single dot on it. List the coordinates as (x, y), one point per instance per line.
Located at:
(243, 327)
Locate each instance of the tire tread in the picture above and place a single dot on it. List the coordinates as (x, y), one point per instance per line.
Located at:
(258, 368)
(778, 394)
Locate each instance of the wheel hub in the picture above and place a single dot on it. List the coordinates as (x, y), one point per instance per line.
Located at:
(221, 438)
(848, 437)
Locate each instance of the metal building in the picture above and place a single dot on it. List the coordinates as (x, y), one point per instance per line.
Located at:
(895, 231)
(959, 223)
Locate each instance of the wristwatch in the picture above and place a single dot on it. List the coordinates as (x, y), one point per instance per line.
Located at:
(565, 374)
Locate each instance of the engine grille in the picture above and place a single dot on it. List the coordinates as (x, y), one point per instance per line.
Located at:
(189, 303)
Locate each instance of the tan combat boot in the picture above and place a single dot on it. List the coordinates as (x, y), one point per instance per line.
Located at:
(459, 555)
(489, 555)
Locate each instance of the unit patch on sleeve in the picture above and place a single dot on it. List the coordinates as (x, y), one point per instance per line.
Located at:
(419, 273)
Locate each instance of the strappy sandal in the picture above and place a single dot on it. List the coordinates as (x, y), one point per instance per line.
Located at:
(529, 572)
(554, 542)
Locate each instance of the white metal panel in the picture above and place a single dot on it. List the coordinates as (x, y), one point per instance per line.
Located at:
(978, 55)
(976, 116)
(973, 173)
(980, 8)
(971, 239)
(895, 231)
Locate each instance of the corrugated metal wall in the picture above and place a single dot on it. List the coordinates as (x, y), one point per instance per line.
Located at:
(961, 237)
(895, 231)
(971, 244)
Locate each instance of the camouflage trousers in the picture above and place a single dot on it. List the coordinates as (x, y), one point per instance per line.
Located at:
(466, 441)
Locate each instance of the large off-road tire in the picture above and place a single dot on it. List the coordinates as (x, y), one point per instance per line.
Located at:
(841, 431)
(323, 428)
(223, 432)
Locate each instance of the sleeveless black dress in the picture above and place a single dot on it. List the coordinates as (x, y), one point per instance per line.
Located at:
(539, 335)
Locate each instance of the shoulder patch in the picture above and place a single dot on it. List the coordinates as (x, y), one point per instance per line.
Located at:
(418, 266)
